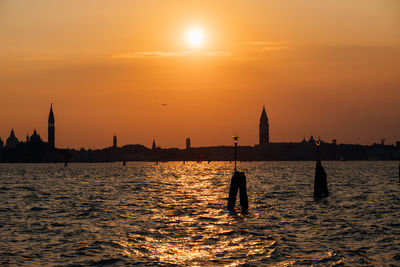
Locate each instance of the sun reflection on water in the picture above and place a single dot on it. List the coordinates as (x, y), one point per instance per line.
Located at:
(186, 222)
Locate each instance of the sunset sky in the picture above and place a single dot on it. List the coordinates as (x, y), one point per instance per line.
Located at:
(327, 68)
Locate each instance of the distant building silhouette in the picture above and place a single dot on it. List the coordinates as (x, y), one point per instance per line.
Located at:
(188, 144)
(311, 141)
(35, 138)
(12, 141)
(263, 128)
(115, 141)
(51, 129)
(153, 146)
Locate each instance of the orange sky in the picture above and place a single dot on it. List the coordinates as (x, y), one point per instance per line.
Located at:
(330, 68)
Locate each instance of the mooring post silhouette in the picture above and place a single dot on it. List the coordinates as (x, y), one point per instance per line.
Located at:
(238, 183)
(320, 182)
(235, 139)
(66, 159)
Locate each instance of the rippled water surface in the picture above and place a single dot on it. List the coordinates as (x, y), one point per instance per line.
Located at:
(175, 214)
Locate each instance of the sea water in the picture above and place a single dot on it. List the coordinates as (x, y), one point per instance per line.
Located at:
(175, 214)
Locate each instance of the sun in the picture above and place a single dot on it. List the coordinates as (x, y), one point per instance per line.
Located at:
(195, 37)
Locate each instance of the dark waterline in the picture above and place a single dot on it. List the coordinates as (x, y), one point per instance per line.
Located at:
(174, 213)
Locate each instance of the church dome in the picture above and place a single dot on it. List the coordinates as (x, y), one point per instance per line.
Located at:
(35, 138)
(12, 140)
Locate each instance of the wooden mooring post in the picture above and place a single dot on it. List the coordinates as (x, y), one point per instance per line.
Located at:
(238, 183)
(320, 182)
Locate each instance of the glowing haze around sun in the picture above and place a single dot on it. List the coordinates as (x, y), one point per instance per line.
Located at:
(195, 37)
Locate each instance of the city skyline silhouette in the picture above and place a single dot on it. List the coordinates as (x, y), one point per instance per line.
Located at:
(37, 149)
(263, 136)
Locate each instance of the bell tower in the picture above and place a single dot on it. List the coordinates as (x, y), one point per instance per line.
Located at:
(263, 128)
(51, 129)
(115, 141)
